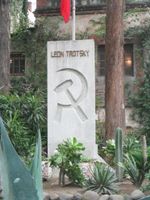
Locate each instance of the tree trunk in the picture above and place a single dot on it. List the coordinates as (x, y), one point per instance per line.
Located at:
(4, 45)
(114, 81)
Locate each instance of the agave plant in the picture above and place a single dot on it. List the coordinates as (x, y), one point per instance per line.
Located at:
(136, 161)
(136, 168)
(102, 180)
(18, 181)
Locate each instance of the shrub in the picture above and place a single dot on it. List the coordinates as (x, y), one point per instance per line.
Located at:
(131, 168)
(67, 159)
(136, 166)
(100, 133)
(32, 83)
(33, 110)
(19, 135)
(23, 115)
(136, 159)
(131, 143)
(141, 102)
(108, 151)
(146, 187)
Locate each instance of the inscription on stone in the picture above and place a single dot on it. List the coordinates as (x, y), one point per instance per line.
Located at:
(77, 53)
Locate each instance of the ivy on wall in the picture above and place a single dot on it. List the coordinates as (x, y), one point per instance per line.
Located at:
(18, 12)
(33, 42)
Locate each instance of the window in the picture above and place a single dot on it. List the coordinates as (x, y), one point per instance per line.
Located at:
(128, 60)
(17, 64)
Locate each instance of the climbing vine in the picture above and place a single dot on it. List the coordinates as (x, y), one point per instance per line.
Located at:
(33, 42)
(18, 12)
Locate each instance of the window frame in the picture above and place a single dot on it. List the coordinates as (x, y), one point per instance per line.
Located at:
(99, 61)
(14, 56)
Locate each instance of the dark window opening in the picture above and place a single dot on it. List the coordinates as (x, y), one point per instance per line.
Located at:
(128, 60)
(17, 64)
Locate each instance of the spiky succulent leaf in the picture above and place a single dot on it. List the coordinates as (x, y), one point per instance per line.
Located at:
(102, 180)
(132, 169)
(17, 181)
(36, 170)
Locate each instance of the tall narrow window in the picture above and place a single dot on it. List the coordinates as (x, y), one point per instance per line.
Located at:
(17, 64)
(128, 60)
(101, 53)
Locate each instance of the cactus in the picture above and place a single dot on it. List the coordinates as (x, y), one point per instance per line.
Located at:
(119, 153)
(144, 148)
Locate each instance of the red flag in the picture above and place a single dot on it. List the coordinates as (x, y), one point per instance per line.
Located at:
(65, 9)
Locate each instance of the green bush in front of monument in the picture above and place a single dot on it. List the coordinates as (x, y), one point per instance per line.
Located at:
(67, 158)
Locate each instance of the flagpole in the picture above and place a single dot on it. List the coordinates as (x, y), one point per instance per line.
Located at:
(73, 20)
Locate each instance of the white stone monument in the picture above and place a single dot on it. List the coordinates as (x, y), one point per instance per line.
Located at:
(71, 94)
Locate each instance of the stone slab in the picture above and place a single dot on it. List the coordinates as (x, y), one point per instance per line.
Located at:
(71, 93)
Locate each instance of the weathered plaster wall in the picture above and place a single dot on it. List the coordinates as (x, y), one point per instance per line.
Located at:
(136, 17)
(94, 22)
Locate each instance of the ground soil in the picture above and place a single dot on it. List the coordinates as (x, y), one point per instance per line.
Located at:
(52, 186)
(125, 187)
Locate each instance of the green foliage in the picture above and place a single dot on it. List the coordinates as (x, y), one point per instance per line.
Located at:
(25, 40)
(131, 168)
(31, 83)
(136, 166)
(141, 102)
(101, 26)
(134, 163)
(17, 181)
(67, 159)
(98, 102)
(146, 187)
(108, 151)
(36, 167)
(140, 160)
(19, 19)
(131, 143)
(102, 180)
(23, 116)
(141, 97)
(33, 110)
(100, 133)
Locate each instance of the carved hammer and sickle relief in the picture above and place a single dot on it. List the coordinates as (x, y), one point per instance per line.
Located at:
(74, 102)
